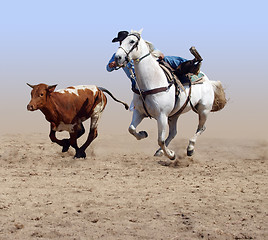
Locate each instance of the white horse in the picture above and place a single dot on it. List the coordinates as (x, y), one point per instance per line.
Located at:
(157, 97)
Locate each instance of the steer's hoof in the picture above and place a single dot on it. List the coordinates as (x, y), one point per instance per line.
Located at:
(80, 154)
(66, 145)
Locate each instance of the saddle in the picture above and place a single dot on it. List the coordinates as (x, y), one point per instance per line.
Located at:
(180, 80)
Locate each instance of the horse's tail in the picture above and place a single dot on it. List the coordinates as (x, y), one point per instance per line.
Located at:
(219, 96)
(107, 91)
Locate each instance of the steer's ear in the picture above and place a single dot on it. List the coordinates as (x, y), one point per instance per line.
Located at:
(32, 86)
(51, 88)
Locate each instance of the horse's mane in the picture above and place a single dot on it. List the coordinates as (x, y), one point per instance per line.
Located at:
(150, 46)
(155, 52)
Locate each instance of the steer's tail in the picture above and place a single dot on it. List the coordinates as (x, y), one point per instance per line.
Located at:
(107, 91)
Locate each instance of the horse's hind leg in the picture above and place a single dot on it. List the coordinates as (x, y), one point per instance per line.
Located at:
(200, 129)
(136, 120)
(172, 123)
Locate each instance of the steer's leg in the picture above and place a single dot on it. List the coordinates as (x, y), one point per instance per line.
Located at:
(65, 143)
(80, 131)
(73, 140)
(93, 133)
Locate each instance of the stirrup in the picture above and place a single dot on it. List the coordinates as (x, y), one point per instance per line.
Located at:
(196, 54)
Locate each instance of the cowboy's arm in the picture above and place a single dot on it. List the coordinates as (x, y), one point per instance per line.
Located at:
(111, 64)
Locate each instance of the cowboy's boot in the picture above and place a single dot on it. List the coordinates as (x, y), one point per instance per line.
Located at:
(197, 56)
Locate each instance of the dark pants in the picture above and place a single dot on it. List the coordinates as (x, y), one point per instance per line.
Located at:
(190, 66)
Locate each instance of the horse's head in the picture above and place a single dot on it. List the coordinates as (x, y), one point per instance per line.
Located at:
(130, 48)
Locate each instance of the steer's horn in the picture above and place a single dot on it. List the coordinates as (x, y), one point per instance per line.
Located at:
(32, 86)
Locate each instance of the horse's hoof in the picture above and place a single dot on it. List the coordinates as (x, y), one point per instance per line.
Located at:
(172, 157)
(190, 153)
(143, 134)
(80, 154)
(66, 145)
(159, 153)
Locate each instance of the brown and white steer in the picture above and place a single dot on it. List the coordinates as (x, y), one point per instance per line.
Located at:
(66, 109)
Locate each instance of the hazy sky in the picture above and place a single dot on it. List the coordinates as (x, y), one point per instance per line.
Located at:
(69, 43)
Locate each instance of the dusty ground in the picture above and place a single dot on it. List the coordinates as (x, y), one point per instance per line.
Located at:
(120, 191)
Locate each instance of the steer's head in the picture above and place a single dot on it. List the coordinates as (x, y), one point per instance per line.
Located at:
(39, 94)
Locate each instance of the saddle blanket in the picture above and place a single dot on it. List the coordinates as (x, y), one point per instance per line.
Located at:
(197, 78)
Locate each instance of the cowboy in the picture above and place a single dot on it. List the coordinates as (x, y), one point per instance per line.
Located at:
(111, 66)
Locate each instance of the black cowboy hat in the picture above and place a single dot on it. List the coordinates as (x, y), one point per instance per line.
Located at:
(120, 36)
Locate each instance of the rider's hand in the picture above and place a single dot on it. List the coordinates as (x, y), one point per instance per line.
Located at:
(112, 64)
(161, 57)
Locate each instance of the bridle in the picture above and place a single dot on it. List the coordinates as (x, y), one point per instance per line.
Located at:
(133, 47)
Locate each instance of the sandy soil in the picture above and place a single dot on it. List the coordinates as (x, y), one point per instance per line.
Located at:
(120, 191)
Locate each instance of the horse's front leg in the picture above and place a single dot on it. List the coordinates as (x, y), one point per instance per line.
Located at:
(137, 117)
(172, 123)
(162, 123)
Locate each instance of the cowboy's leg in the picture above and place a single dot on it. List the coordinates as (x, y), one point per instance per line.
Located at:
(190, 66)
